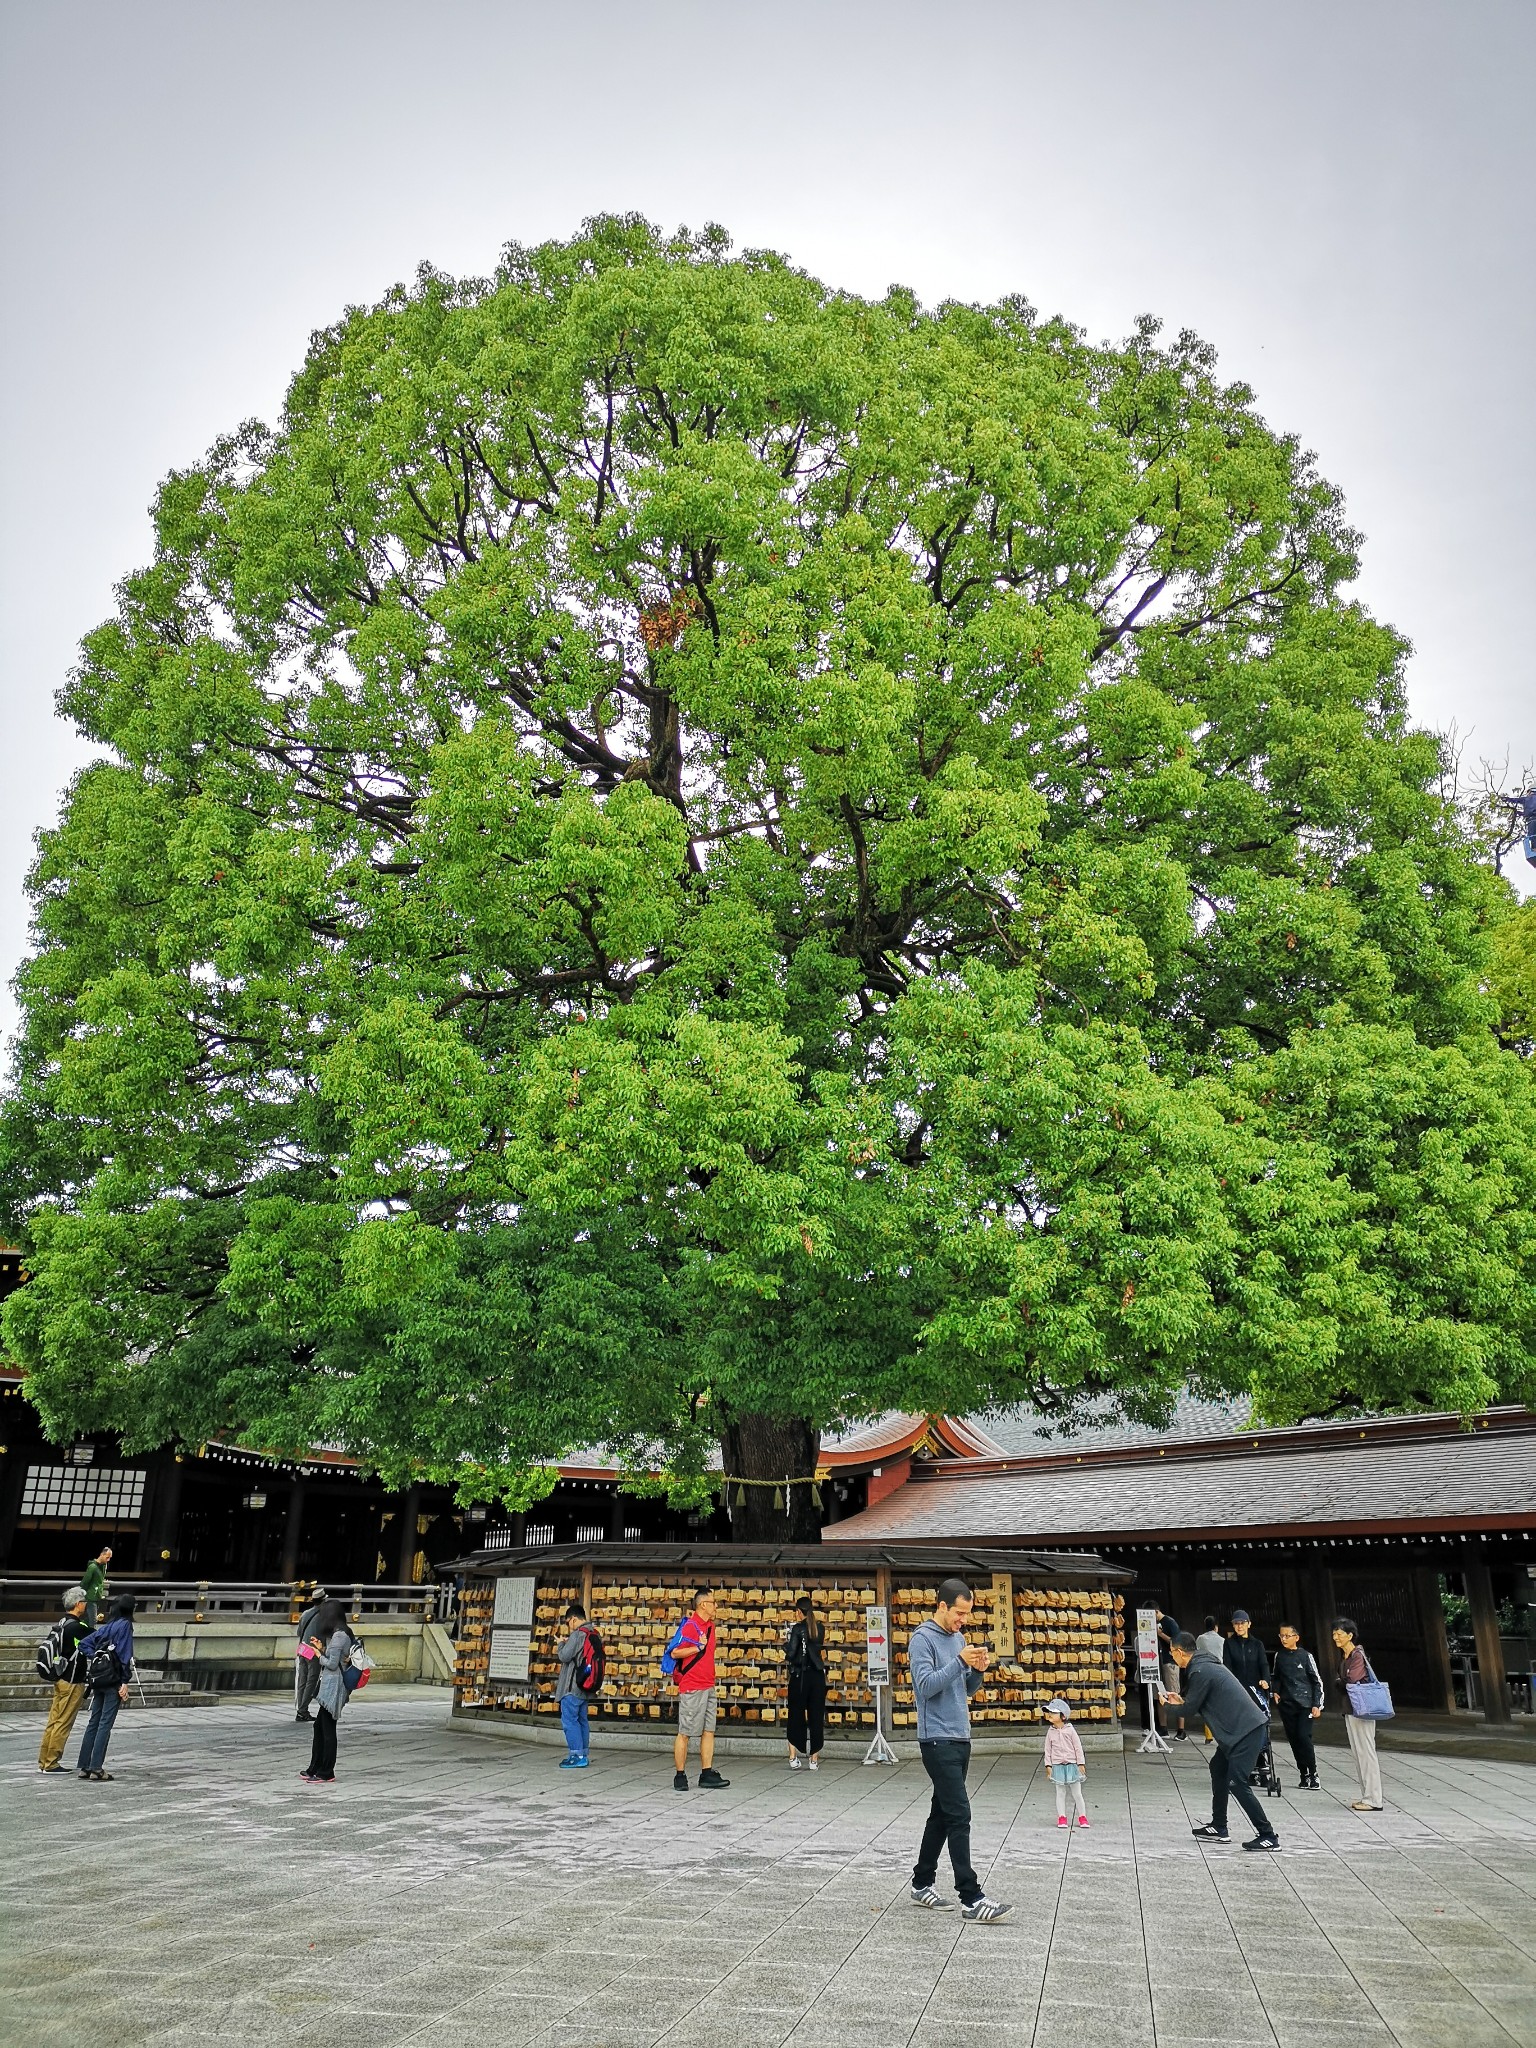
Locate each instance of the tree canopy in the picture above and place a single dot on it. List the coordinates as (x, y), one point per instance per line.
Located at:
(683, 855)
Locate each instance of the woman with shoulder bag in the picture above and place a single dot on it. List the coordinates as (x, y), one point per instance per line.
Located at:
(332, 1641)
(1355, 1669)
(107, 1653)
(807, 1688)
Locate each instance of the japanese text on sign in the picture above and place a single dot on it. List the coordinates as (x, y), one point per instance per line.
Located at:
(877, 1645)
(1148, 1663)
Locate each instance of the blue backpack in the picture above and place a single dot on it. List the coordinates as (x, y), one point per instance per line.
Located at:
(669, 1665)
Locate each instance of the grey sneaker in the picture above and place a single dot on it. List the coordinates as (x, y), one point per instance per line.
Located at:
(985, 1909)
(925, 1895)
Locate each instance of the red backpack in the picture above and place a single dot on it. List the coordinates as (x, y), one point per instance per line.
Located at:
(593, 1667)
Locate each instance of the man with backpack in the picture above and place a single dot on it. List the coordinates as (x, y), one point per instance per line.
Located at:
(581, 1668)
(690, 1659)
(60, 1662)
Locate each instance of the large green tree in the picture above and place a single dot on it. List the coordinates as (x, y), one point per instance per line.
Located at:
(681, 855)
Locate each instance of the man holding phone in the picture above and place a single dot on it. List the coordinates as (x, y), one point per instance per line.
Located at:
(946, 1671)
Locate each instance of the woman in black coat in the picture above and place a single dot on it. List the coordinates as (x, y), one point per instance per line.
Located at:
(807, 1687)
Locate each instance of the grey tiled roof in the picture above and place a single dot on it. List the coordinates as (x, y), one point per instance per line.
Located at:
(1429, 1482)
(1022, 1431)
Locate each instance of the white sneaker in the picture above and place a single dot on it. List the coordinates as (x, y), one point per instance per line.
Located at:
(796, 1763)
(814, 1765)
(985, 1909)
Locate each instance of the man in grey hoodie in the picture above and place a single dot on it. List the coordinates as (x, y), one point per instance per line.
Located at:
(1213, 1694)
(306, 1680)
(945, 1673)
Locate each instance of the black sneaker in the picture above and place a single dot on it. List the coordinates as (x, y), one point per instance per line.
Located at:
(1210, 1833)
(680, 1781)
(1181, 1735)
(711, 1781)
(1263, 1842)
(304, 1717)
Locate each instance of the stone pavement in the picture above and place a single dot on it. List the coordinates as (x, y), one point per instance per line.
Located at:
(453, 1889)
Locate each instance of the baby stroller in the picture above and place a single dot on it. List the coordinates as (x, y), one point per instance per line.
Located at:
(1265, 1773)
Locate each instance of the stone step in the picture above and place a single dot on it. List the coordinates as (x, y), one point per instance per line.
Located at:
(175, 1692)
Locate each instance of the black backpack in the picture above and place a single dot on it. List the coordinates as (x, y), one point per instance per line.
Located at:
(105, 1671)
(55, 1663)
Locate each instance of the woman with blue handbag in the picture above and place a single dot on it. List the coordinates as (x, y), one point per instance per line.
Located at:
(1366, 1701)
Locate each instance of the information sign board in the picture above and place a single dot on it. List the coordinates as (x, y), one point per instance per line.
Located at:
(877, 1645)
(514, 1603)
(508, 1659)
(1149, 1665)
(1002, 1615)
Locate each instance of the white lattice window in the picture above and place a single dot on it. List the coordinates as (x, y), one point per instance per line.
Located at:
(538, 1532)
(82, 1493)
(591, 1532)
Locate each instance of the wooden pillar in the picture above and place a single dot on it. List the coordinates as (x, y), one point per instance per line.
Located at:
(1316, 1621)
(1437, 1651)
(293, 1529)
(158, 1550)
(13, 1478)
(1490, 1651)
(616, 1514)
(409, 1513)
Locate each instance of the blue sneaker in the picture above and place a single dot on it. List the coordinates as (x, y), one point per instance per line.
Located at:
(581, 1762)
(570, 1763)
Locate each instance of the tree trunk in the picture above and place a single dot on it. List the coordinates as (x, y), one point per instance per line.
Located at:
(772, 1447)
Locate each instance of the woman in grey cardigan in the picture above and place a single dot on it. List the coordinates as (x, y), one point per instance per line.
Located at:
(333, 1646)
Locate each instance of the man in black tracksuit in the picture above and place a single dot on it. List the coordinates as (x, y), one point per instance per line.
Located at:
(1298, 1686)
(1241, 1729)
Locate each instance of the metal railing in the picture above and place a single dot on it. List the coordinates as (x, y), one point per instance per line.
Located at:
(33, 1599)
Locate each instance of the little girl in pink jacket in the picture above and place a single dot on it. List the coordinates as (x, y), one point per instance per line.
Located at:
(1064, 1761)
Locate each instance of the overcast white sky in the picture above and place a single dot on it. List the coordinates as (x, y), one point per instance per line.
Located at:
(1338, 193)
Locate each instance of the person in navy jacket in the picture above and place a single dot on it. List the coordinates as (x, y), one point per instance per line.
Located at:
(108, 1688)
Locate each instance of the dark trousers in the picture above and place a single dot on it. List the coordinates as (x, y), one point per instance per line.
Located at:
(98, 1729)
(949, 1818)
(807, 1711)
(322, 1750)
(1229, 1773)
(1298, 1733)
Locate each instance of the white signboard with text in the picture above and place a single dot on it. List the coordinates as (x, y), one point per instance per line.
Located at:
(1148, 1663)
(508, 1659)
(877, 1645)
(514, 1604)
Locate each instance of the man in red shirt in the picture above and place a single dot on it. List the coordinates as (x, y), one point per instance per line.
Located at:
(693, 1655)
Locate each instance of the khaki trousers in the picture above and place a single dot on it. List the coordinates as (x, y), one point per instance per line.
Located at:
(67, 1701)
(1362, 1747)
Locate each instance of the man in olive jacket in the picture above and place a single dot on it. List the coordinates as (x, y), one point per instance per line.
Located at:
(1240, 1727)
